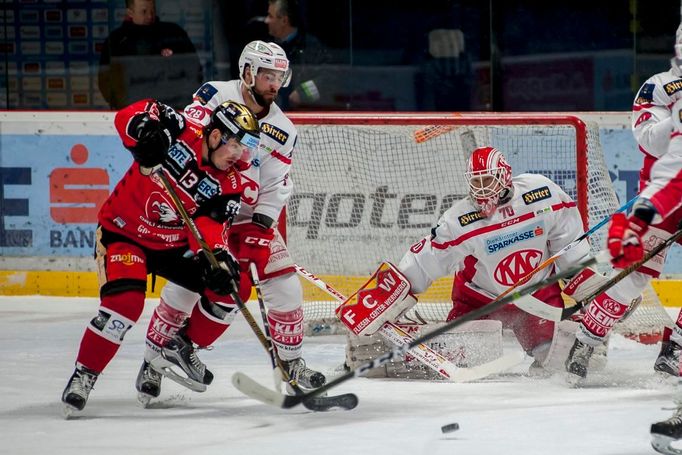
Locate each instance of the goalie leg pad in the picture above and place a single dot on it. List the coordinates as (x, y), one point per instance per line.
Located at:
(471, 344)
(564, 337)
(584, 284)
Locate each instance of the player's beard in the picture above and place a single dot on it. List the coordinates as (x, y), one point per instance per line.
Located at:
(260, 99)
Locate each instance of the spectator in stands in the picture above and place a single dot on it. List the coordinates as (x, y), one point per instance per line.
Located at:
(147, 58)
(304, 50)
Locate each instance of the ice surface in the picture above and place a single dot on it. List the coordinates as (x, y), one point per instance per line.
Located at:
(509, 414)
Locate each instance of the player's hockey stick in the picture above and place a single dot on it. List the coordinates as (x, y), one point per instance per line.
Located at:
(422, 352)
(344, 401)
(567, 312)
(271, 397)
(541, 309)
(277, 368)
(314, 403)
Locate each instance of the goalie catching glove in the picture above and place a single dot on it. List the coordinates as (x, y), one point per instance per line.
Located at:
(384, 298)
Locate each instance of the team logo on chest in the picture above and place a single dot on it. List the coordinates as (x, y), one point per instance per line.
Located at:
(159, 209)
(516, 266)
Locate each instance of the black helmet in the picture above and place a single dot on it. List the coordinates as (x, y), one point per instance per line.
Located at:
(236, 120)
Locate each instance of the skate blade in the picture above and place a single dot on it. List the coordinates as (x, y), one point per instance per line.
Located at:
(165, 367)
(143, 399)
(574, 380)
(68, 411)
(663, 444)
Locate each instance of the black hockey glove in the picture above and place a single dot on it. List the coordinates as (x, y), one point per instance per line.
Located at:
(223, 280)
(222, 208)
(153, 140)
(171, 120)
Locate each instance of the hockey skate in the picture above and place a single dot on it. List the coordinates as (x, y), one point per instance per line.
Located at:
(668, 361)
(180, 352)
(77, 390)
(578, 361)
(664, 433)
(148, 384)
(306, 378)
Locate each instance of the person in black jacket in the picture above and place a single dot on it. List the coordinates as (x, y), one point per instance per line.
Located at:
(305, 51)
(147, 58)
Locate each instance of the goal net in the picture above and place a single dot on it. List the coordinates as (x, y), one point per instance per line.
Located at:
(366, 187)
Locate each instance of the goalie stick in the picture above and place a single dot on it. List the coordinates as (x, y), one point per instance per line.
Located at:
(422, 352)
(346, 401)
(312, 402)
(274, 398)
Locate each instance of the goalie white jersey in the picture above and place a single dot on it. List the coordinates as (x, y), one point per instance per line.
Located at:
(268, 183)
(497, 252)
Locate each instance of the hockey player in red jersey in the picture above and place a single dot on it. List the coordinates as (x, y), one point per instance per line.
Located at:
(140, 231)
(254, 237)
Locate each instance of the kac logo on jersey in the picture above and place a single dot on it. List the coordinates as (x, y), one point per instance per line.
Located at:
(500, 242)
(516, 266)
(673, 87)
(274, 132)
(536, 195)
(469, 218)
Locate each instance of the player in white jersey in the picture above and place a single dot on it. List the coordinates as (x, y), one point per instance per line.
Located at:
(489, 241)
(494, 238)
(652, 125)
(253, 238)
(657, 125)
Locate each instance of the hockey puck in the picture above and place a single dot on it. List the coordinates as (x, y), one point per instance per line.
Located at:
(449, 428)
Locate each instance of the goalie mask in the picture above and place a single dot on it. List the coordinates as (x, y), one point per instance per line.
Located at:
(490, 179)
(261, 55)
(235, 120)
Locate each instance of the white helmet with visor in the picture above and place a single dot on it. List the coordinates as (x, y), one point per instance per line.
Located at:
(261, 55)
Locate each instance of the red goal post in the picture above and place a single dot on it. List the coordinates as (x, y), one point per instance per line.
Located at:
(368, 185)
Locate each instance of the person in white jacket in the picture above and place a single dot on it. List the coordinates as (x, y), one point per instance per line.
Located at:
(253, 238)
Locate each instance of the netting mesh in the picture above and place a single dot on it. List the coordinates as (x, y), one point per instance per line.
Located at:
(365, 193)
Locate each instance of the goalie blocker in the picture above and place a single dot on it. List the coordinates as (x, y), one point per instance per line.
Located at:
(384, 298)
